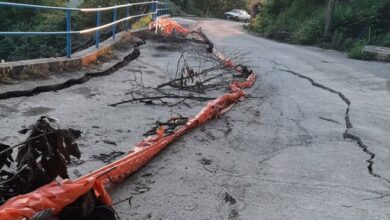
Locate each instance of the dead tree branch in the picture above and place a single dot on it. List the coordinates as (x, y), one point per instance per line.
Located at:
(148, 99)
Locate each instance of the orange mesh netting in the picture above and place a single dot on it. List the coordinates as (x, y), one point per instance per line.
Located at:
(167, 26)
(58, 195)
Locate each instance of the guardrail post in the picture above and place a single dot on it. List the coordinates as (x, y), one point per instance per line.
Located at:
(157, 10)
(114, 26)
(98, 20)
(68, 34)
(127, 26)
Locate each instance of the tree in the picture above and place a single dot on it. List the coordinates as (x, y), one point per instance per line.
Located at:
(210, 7)
(329, 20)
(25, 19)
(254, 8)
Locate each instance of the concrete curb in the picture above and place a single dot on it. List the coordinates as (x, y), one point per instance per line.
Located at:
(376, 53)
(39, 67)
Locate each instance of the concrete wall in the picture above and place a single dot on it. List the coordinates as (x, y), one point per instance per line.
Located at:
(39, 67)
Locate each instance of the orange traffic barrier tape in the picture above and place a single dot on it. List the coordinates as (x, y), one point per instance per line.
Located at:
(58, 195)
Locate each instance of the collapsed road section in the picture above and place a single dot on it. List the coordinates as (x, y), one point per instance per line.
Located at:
(71, 82)
(88, 194)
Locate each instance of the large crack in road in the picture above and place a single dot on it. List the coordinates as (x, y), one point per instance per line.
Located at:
(347, 134)
(71, 82)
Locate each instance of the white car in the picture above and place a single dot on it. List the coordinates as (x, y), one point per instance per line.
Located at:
(238, 15)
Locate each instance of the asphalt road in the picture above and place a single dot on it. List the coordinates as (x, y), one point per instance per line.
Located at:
(285, 157)
(280, 154)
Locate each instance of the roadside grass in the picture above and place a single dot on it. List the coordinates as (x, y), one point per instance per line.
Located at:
(4, 78)
(142, 22)
(36, 72)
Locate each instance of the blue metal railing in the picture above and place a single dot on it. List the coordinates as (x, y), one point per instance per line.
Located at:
(158, 8)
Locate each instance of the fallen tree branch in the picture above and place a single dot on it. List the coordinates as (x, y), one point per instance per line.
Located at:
(40, 159)
(169, 125)
(190, 77)
(200, 99)
(24, 142)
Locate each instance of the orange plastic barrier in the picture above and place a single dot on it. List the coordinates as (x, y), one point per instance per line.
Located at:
(236, 86)
(58, 195)
(167, 26)
(52, 196)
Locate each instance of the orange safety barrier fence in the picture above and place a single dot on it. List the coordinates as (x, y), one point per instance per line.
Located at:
(58, 195)
(167, 26)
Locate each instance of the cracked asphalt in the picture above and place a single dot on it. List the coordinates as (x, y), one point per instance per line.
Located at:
(307, 169)
(287, 152)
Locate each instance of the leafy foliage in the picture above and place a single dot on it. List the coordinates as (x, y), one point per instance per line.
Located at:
(355, 51)
(214, 8)
(21, 19)
(6, 158)
(355, 23)
(30, 47)
(310, 31)
(40, 159)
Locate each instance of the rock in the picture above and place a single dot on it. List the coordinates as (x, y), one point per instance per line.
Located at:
(376, 53)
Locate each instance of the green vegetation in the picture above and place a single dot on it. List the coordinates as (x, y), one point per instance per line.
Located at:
(30, 47)
(17, 19)
(356, 23)
(207, 8)
(355, 51)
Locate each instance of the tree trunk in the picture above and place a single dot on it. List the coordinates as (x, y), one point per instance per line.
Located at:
(328, 21)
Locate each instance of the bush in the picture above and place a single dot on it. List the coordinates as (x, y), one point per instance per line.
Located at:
(310, 31)
(381, 40)
(353, 23)
(25, 47)
(289, 16)
(31, 47)
(142, 22)
(356, 50)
